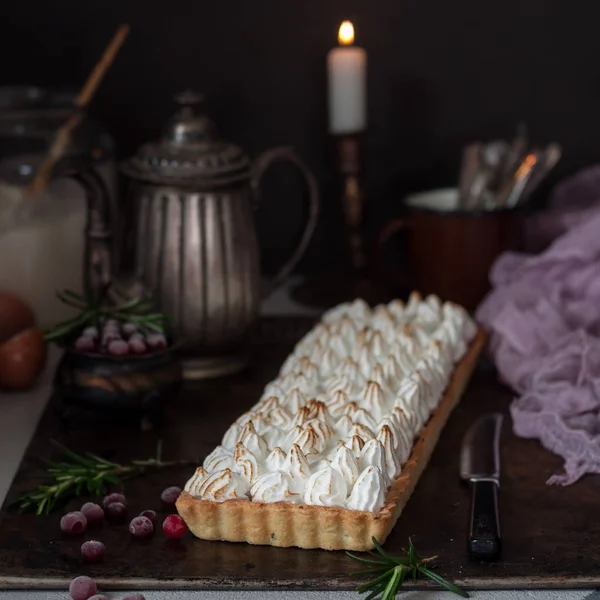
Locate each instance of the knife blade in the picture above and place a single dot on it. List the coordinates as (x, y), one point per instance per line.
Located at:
(480, 467)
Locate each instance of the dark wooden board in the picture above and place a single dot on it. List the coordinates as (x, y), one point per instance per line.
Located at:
(551, 534)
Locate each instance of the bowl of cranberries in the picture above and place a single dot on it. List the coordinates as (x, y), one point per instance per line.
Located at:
(116, 357)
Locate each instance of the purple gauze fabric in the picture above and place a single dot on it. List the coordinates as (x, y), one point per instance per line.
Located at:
(544, 319)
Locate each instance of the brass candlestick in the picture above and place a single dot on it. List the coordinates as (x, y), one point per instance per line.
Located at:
(349, 159)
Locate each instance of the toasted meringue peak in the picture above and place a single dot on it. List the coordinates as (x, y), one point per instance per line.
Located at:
(364, 360)
(301, 417)
(308, 369)
(321, 429)
(391, 370)
(275, 486)
(194, 484)
(316, 353)
(402, 439)
(412, 306)
(378, 345)
(346, 328)
(359, 310)
(362, 431)
(364, 418)
(294, 401)
(383, 318)
(373, 455)
(368, 493)
(253, 441)
(404, 416)
(355, 443)
(271, 403)
(321, 465)
(405, 362)
(350, 409)
(243, 419)
(373, 400)
(223, 485)
(231, 437)
(301, 382)
(272, 389)
(338, 345)
(289, 366)
(275, 461)
(344, 462)
(317, 410)
(336, 403)
(326, 488)
(259, 422)
(396, 308)
(245, 463)
(279, 417)
(296, 466)
(340, 384)
(391, 460)
(219, 459)
(329, 361)
(308, 441)
(377, 375)
(343, 426)
(275, 436)
(361, 375)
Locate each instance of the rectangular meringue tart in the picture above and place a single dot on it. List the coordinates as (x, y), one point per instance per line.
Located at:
(330, 454)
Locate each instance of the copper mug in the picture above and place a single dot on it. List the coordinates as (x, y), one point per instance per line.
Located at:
(450, 250)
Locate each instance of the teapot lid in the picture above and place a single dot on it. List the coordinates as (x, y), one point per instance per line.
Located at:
(190, 152)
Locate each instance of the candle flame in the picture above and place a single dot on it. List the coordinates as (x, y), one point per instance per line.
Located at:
(346, 34)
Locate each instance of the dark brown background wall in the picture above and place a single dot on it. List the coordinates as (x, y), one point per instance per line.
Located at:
(441, 73)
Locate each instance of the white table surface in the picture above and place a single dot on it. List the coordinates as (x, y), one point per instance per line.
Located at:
(19, 414)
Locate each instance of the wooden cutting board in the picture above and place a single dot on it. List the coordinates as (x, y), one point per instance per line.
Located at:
(551, 534)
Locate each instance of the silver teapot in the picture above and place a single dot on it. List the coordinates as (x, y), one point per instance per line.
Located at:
(189, 236)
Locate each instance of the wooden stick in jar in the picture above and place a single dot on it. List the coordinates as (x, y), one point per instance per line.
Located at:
(63, 135)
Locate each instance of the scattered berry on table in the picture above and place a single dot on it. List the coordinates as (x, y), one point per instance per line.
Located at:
(116, 511)
(118, 348)
(93, 513)
(114, 497)
(169, 495)
(82, 588)
(141, 527)
(173, 526)
(73, 523)
(93, 551)
(149, 514)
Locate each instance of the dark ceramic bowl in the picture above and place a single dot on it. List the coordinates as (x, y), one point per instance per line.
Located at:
(109, 384)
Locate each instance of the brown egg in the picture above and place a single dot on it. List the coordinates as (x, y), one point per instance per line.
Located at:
(15, 316)
(22, 359)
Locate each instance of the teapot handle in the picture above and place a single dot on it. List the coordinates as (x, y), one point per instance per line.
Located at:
(101, 211)
(259, 168)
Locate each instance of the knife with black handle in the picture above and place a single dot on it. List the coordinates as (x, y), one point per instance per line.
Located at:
(480, 467)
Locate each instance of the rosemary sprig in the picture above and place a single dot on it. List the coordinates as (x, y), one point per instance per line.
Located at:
(92, 311)
(389, 572)
(86, 475)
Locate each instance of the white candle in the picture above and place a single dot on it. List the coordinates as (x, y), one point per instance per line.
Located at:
(347, 82)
